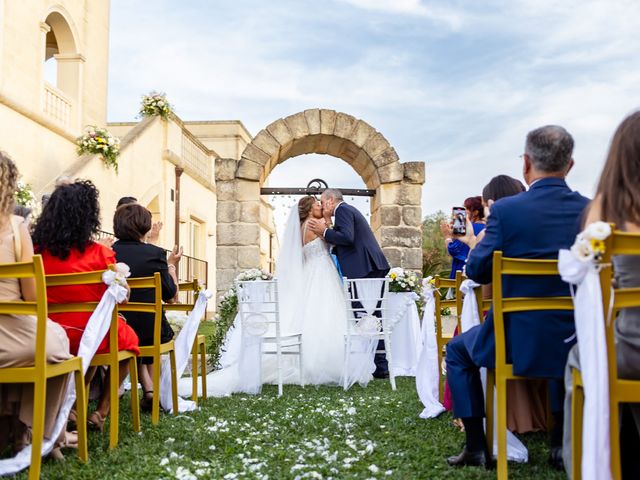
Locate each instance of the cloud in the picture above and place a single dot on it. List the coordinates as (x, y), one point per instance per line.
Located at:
(446, 16)
(459, 94)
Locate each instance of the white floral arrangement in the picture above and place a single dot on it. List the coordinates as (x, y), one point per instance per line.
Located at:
(24, 195)
(253, 274)
(404, 281)
(99, 141)
(155, 104)
(589, 245)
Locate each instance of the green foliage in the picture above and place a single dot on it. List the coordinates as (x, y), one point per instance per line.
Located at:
(338, 434)
(435, 258)
(227, 310)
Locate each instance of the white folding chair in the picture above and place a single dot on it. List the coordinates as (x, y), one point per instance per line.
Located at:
(259, 314)
(364, 298)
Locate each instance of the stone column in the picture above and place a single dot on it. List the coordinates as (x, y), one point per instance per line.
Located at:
(238, 226)
(396, 214)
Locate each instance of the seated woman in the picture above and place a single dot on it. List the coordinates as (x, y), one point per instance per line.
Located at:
(618, 201)
(131, 224)
(18, 332)
(63, 236)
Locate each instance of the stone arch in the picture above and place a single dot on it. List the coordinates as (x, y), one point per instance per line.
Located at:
(396, 213)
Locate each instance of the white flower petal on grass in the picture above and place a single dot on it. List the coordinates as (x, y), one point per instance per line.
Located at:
(164, 461)
(373, 468)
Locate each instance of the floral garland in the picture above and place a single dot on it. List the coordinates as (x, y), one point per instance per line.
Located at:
(227, 311)
(24, 195)
(98, 140)
(155, 103)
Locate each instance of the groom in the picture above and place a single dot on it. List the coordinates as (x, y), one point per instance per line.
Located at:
(358, 252)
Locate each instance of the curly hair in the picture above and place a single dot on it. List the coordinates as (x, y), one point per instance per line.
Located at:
(304, 207)
(70, 219)
(8, 186)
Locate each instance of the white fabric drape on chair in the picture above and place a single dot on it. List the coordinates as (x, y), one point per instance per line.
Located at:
(95, 330)
(405, 336)
(516, 451)
(590, 331)
(183, 346)
(363, 346)
(427, 370)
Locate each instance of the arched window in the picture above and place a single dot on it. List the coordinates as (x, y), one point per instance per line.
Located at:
(61, 72)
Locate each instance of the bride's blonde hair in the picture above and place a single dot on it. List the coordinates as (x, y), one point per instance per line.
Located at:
(304, 207)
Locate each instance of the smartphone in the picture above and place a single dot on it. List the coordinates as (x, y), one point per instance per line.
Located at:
(459, 220)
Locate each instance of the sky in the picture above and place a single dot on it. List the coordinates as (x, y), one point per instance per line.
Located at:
(456, 84)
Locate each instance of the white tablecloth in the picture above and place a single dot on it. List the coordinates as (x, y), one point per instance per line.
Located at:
(405, 336)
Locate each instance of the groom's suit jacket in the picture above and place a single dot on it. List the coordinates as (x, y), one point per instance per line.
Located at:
(357, 250)
(534, 224)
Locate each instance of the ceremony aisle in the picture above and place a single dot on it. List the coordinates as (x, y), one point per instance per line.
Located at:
(308, 433)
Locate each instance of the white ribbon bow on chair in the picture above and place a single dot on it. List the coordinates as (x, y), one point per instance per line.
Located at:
(590, 330)
(427, 370)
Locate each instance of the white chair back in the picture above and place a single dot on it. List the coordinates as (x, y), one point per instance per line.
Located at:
(258, 307)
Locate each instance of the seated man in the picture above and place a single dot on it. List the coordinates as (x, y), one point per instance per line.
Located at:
(533, 224)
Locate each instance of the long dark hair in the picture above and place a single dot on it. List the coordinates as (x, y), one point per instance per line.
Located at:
(618, 186)
(70, 219)
(500, 187)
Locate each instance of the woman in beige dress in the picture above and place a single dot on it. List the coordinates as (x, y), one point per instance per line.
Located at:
(18, 332)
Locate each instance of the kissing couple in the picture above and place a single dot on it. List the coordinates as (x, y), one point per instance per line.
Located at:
(312, 299)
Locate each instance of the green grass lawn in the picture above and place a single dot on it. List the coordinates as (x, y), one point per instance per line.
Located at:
(308, 433)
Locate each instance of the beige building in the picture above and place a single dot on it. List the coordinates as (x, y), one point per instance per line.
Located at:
(53, 83)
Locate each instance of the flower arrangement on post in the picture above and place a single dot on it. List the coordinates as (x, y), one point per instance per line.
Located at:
(155, 103)
(24, 195)
(227, 311)
(589, 245)
(404, 281)
(98, 140)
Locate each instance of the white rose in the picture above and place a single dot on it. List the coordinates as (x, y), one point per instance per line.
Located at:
(598, 231)
(581, 249)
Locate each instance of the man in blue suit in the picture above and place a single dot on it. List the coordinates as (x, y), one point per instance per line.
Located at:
(533, 224)
(358, 252)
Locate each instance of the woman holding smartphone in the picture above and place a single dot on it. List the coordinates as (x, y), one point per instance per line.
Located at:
(458, 250)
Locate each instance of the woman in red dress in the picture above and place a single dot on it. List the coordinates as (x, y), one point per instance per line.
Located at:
(63, 236)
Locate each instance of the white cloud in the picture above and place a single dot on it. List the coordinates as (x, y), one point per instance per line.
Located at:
(450, 18)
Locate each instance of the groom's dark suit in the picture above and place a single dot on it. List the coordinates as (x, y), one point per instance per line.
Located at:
(357, 250)
(359, 255)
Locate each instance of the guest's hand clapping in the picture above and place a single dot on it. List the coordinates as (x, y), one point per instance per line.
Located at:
(154, 233)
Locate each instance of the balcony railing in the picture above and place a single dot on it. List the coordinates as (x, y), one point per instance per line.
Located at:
(196, 157)
(189, 268)
(56, 105)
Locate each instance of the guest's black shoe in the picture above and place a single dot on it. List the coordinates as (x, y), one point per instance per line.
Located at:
(555, 458)
(380, 374)
(469, 459)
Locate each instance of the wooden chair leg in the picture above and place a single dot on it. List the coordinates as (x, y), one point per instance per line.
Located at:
(155, 406)
(577, 409)
(203, 369)
(81, 415)
(488, 408)
(135, 404)
(194, 371)
(501, 400)
(439, 346)
(174, 382)
(37, 429)
(114, 403)
(614, 426)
